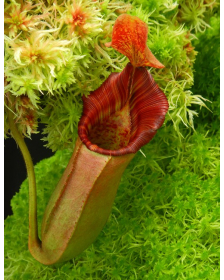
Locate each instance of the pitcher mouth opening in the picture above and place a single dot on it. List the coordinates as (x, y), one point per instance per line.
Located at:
(111, 136)
(123, 114)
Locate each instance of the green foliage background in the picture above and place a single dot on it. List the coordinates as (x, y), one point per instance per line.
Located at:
(165, 219)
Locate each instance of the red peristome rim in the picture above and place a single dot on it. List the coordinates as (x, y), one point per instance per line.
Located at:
(148, 107)
(94, 148)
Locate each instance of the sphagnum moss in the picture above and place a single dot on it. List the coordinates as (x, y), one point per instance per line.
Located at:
(58, 47)
(163, 226)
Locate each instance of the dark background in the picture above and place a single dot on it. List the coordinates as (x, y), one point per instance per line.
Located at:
(15, 170)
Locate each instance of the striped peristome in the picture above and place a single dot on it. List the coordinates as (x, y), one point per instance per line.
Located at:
(144, 102)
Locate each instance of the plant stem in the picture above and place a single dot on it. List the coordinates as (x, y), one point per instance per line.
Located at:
(34, 240)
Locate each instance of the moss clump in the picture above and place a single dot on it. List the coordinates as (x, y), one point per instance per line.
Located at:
(207, 75)
(56, 49)
(161, 226)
